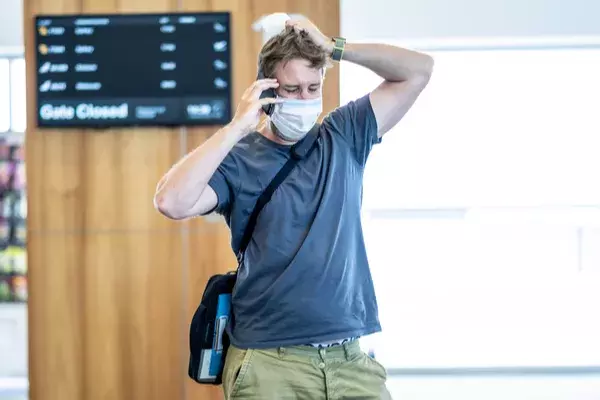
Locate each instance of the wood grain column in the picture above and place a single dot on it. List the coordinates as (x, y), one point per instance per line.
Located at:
(113, 284)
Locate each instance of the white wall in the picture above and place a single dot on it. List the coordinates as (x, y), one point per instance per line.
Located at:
(11, 23)
(418, 19)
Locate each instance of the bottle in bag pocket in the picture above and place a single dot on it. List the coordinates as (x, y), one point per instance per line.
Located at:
(208, 338)
(216, 354)
(212, 358)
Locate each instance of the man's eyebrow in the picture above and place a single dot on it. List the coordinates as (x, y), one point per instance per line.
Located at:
(293, 86)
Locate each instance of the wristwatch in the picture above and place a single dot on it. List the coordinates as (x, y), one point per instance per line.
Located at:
(339, 44)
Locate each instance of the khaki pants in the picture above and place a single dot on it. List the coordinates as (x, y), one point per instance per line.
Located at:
(303, 372)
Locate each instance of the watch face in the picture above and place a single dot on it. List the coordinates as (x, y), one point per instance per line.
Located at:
(337, 54)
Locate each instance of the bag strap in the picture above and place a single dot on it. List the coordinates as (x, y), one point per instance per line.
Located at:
(299, 151)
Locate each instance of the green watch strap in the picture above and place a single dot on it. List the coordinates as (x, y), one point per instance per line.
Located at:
(339, 44)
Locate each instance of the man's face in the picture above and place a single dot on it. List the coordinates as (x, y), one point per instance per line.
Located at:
(297, 80)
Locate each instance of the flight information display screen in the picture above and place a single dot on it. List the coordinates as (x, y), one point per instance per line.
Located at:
(133, 69)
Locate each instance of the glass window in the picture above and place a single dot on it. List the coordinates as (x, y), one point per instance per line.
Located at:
(4, 96)
(493, 128)
(18, 92)
(482, 212)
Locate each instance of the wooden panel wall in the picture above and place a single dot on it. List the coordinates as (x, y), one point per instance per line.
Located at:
(113, 284)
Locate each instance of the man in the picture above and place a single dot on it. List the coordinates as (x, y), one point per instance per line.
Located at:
(304, 292)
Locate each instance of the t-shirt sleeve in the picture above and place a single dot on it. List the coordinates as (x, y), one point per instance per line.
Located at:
(225, 183)
(356, 122)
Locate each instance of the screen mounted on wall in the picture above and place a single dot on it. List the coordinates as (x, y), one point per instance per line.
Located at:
(133, 69)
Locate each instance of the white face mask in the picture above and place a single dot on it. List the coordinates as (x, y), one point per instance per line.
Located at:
(294, 118)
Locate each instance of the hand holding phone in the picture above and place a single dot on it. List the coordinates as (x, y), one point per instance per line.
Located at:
(258, 98)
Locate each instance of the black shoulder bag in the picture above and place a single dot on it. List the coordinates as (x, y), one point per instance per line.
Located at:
(209, 341)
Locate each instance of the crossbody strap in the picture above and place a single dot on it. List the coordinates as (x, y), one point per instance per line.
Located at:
(299, 151)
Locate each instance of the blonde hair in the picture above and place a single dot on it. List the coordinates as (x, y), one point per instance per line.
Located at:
(287, 46)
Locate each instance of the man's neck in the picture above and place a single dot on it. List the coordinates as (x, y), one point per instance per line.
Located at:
(267, 130)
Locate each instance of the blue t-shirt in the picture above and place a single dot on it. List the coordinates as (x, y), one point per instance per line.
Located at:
(305, 276)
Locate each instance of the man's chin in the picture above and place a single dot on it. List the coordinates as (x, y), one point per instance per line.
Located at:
(283, 138)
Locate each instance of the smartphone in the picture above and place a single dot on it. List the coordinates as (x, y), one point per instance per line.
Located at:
(269, 93)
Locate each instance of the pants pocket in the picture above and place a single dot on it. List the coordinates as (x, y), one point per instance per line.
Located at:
(377, 366)
(236, 366)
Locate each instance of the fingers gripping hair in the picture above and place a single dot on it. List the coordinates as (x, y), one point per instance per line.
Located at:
(287, 46)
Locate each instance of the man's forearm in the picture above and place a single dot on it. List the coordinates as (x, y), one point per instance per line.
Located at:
(392, 63)
(182, 186)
